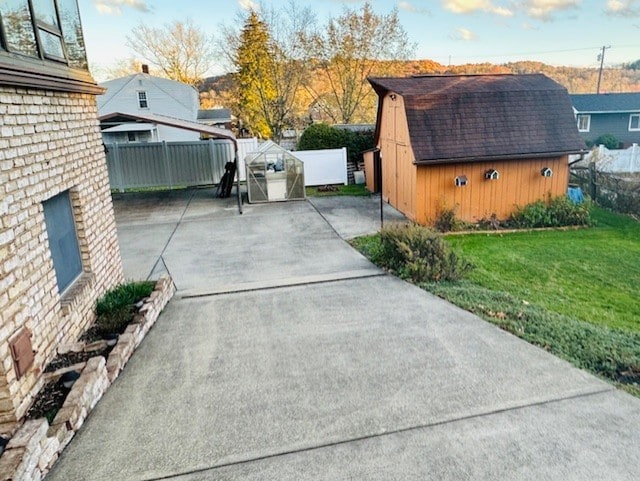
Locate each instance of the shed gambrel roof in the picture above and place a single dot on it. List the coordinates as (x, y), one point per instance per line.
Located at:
(606, 103)
(465, 118)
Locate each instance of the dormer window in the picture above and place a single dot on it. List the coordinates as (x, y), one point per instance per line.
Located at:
(142, 100)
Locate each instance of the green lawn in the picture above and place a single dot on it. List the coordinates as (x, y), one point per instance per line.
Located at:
(352, 189)
(574, 293)
(589, 274)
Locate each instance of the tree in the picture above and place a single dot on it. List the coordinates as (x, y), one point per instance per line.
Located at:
(349, 49)
(269, 68)
(180, 50)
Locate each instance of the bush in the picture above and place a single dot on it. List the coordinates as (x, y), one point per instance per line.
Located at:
(559, 212)
(418, 254)
(608, 140)
(324, 136)
(115, 309)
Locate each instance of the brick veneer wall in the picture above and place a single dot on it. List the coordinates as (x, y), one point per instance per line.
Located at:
(50, 142)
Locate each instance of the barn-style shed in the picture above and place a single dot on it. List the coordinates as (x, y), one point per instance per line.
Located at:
(482, 144)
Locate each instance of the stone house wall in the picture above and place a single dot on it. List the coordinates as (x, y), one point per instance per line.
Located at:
(50, 142)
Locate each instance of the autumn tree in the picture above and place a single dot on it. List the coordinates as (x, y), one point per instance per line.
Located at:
(179, 50)
(343, 54)
(269, 68)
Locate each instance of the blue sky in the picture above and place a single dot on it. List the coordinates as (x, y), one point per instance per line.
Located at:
(558, 32)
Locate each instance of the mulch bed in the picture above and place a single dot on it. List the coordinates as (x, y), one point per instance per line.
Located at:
(48, 401)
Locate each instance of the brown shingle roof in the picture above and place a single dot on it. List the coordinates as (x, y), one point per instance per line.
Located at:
(480, 117)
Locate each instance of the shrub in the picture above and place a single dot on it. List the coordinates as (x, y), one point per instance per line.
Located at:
(324, 136)
(418, 254)
(115, 309)
(558, 212)
(608, 140)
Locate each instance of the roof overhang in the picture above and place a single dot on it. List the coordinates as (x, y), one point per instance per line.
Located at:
(130, 127)
(628, 111)
(214, 132)
(536, 155)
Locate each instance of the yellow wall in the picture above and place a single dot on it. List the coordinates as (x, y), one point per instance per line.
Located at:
(520, 183)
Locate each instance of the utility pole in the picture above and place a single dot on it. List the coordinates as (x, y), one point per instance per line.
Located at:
(601, 58)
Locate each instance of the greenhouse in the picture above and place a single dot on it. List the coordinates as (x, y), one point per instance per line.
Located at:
(274, 174)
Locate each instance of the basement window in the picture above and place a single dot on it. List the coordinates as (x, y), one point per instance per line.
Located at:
(63, 240)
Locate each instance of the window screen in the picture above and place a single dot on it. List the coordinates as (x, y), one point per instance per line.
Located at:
(63, 241)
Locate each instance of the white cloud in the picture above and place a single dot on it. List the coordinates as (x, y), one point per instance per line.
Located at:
(623, 8)
(114, 7)
(409, 7)
(249, 5)
(472, 6)
(463, 34)
(545, 9)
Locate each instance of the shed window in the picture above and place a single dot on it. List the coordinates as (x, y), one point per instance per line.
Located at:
(63, 241)
(584, 122)
(142, 100)
(634, 122)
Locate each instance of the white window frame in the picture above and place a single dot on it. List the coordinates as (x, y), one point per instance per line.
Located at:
(637, 119)
(142, 98)
(579, 117)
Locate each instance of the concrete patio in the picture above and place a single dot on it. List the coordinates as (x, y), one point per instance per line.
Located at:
(287, 355)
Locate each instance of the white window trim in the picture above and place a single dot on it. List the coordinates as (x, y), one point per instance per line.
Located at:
(631, 120)
(588, 116)
(146, 100)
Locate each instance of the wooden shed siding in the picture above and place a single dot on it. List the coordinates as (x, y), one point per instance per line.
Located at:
(520, 183)
(398, 170)
(369, 170)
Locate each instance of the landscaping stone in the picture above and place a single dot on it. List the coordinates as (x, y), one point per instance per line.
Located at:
(36, 446)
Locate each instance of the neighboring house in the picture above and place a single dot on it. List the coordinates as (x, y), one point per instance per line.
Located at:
(220, 118)
(58, 246)
(614, 114)
(480, 144)
(144, 94)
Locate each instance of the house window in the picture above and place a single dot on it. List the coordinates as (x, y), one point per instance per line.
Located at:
(142, 100)
(131, 136)
(634, 122)
(48, 29)
(584, 122)
(63, 241)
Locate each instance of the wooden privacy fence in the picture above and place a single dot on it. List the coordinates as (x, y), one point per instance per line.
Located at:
(167, 164)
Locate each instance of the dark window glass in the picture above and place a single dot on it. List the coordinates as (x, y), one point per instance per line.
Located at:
(45, 11)
(142, 100)
(63, 241)
(18, 28)
(51, 44)
(72, 33)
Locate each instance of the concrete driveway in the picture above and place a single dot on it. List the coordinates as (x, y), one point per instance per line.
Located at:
(287, 356)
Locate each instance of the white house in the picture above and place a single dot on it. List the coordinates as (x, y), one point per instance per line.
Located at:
(144, 94)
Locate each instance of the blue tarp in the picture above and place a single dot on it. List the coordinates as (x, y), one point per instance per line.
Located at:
(576, 195)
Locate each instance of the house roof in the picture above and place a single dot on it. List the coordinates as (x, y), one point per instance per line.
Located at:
(216, 115)
(606, 103)
(465, 118)
(171, 122)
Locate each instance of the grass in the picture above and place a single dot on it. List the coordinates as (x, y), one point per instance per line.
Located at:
(358, 190)
(572, 292)
(589, 274)
(114, 310)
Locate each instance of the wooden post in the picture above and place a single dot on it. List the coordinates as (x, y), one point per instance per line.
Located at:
(593, 186)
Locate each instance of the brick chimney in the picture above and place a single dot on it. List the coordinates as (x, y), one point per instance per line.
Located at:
(145, 68)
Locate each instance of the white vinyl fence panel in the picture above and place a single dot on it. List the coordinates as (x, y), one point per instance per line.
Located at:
(613, 161)
(324, 167)
(245, 146)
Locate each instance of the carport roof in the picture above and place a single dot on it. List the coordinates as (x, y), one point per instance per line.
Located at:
(215, 132)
